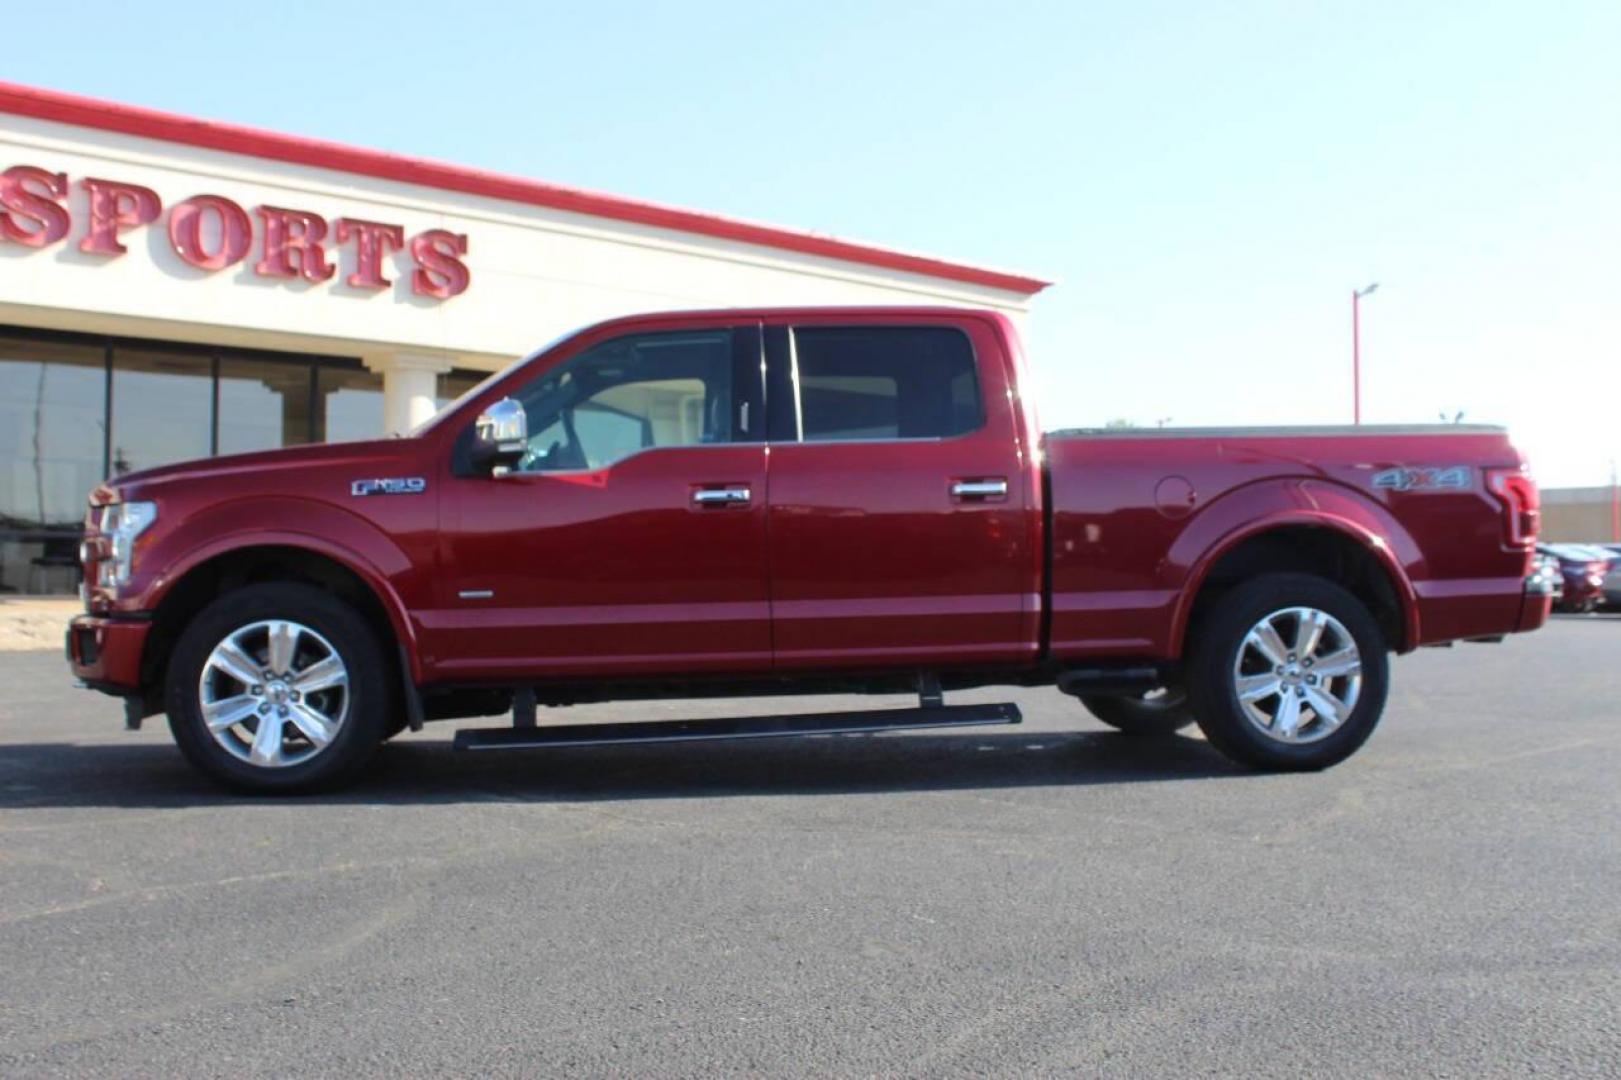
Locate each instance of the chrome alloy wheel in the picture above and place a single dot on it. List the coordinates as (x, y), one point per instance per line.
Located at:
(1298, 675)
(274, 693)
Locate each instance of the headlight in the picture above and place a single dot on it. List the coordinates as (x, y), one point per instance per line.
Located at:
(121, 523)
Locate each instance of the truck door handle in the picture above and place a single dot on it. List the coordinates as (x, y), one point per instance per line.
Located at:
(980, 489)
(726, 496)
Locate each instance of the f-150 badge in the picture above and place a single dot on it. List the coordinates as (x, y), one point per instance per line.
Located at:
(389, 485)
(1423, 478)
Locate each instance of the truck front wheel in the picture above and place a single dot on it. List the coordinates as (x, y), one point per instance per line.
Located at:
(1288, 672)
(278, 688)
(1161, 712)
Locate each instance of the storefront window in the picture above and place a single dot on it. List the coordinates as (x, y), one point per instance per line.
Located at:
(453, 384)
(52, 443)
(162, 405)
(351, 404)
(76, 409)
(263, 405)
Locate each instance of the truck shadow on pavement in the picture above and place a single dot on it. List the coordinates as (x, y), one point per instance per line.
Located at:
(419, 771)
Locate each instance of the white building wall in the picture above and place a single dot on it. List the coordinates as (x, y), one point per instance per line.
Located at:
(536, 272)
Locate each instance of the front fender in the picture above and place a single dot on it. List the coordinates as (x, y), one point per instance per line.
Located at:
(322, 528)
(1258, 508)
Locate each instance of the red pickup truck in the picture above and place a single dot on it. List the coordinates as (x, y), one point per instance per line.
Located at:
(791, 501)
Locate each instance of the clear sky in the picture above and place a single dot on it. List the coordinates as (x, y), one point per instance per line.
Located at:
(1205, 181)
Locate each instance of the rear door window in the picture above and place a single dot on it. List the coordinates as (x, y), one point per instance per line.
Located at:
(884, 382)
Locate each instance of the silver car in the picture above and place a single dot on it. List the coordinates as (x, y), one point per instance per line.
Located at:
(1612, 580)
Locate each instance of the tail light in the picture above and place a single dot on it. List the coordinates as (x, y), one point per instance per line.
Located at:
(1522, 505)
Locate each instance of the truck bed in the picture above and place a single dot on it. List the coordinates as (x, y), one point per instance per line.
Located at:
(1141, 517)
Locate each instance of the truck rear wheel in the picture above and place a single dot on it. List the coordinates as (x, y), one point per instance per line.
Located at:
(1288, 672)
(1160, 712)
(278, 688)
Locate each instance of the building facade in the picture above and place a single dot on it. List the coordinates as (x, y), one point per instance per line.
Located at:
(1584, 515)
(172, 288)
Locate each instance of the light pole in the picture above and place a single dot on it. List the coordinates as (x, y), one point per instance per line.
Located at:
(1356, 350)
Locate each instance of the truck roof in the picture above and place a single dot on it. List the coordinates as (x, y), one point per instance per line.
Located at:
(1277, 431)
(790, 310)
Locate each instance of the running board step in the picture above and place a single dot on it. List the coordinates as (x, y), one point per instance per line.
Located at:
(740, 727)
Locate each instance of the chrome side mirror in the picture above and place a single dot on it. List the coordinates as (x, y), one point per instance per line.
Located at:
(500, 437)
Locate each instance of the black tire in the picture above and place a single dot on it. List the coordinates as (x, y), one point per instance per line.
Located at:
(370, 705)
(1145, 716)
(1214, 652)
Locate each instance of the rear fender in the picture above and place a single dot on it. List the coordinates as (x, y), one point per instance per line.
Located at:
(1259, 508)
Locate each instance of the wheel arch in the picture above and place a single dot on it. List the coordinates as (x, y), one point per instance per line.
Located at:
(267, 559)
(1338, 550)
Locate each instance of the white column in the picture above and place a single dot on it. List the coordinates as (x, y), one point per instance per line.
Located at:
(410, 387)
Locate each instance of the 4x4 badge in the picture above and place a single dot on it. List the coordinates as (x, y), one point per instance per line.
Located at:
(1423, 478)
(389, 485)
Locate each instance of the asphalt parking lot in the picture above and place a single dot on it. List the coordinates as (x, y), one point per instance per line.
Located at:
(1019, 901)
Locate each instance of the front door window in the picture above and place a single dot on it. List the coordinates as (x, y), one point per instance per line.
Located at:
(627, 395)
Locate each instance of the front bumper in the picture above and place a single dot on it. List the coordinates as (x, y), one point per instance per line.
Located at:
(106, 652)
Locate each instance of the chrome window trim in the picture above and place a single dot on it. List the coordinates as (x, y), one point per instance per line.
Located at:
(793, 376)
